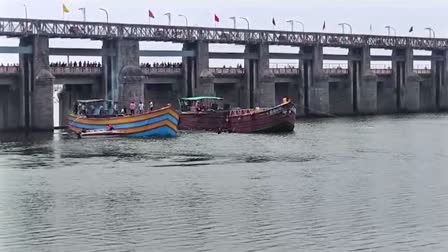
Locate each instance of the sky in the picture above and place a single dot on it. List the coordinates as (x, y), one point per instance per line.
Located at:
(360, 14)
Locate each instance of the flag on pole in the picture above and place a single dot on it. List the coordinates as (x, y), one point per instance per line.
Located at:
(65, 9)
(323, 26)
(411, 29)
(371, 28)
(150, 14)
(216, 18)
(273, 22)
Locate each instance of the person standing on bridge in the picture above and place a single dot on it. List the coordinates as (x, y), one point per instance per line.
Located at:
(151, 106)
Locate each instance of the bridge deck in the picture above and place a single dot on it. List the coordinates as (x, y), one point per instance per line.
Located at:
(16, 27)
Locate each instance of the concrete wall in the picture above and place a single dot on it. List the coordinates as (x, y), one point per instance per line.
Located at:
(36, 86)
(386, 95)
(282, 90)
(427, 94)
(340, 97)
(160, 95)
(230, 92)
(4, 92)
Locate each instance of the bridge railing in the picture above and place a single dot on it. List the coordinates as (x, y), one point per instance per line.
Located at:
(9, 69)
(215, 70)
(423, 71)
(76, 70)
(285, 70)
(95, 30)
(383, 71)
(155, 70)
(339, 71)
(221, 70)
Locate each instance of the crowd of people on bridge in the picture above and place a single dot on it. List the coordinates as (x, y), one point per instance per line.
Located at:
(162, 65)
(75, 64)
(9, 65)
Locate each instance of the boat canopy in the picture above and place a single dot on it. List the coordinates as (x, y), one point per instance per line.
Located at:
(91, 101)
(198, 98)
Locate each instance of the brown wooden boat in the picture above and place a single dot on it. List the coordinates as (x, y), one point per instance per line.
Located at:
(203, 113)
(280, 118)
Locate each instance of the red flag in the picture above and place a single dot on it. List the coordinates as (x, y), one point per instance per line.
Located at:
(150, 14)
(216, 18)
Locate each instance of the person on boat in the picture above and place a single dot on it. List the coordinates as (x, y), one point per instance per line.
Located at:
(124, 110)
(132, 107)
(151, 106)
(198, 106)
(110, 127)
(115, 108)
(79, 108)
(83, 109)
(102, 112)
(141, 107)
(75, 108)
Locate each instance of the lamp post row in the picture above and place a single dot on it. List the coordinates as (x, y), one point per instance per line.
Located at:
(431, 31)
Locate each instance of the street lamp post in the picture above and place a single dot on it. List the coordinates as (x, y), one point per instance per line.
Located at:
(347, 24)
(168, 14)
(186, 19)
(342, 26)
(107, 14)
(83, 13)
(234, 22)
(26, 11)
(247, 21)
(296, 21)
(388, 27)
(431, 32)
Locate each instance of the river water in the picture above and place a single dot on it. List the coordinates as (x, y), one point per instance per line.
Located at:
(344, 184)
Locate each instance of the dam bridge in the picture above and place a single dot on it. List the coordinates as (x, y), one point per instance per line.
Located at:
(26, 90)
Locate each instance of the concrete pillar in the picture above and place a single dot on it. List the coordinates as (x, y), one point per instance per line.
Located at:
(193, 69)
(37, 85)
(439, 72)
(126, 54)
(259, 85)
(363, 80)
(132, 86)
(13, 98)
(207, 82)
(407, 82)
(316, 88)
